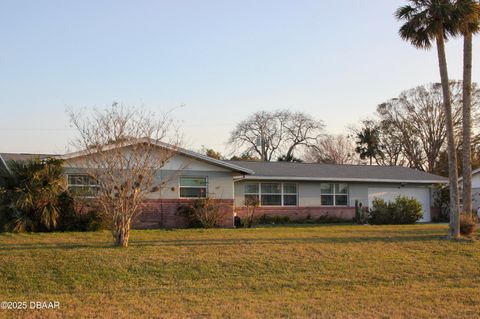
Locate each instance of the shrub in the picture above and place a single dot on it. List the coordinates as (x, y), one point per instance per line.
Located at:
(250, 218)
(327, 219)
(282, 220)
(441, 200)
(380, 213)
(361, 213)
(29, 192)
(77, 216)
(202, 212)
(468, 223)
(403, 210)
(274, 220)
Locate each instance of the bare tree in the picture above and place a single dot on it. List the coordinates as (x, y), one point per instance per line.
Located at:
(262, 133)
(123, 149)
(301, 130)
(332, 149)
(276, 134)
(416, 122)
(391, 146)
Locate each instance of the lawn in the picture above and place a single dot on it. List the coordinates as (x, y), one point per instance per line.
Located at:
(333, 271)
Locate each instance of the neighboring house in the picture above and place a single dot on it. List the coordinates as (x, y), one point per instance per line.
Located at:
(297, 190)
(475, 188)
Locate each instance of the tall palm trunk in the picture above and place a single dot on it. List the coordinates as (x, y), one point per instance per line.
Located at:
(454, 229)
(467, 119)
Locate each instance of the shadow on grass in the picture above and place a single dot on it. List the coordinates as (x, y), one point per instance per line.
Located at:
(224, 242)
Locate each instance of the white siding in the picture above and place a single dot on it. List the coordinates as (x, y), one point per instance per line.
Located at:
(476, 180)
(309, 192)
(220, 184)
(220, 180)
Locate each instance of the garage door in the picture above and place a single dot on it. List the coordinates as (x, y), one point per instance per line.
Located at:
(389, 194)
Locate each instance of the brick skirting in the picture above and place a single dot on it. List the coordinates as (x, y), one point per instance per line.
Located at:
(163, 214)
(297, 213)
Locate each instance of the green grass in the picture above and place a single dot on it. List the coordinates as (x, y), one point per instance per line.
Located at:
(316, 271)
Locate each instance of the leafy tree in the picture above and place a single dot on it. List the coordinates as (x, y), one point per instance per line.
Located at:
(213, 154)
(289, 158)
(426, 21)
(245, 156)
(30, 192)
(368, 143)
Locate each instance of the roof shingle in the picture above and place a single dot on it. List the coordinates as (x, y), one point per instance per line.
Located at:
(314, 171)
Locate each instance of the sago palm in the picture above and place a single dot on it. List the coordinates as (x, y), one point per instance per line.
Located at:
(426, 22)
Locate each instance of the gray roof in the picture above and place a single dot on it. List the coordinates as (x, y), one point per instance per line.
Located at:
(332, 172)
(23, 156)
(6, 157)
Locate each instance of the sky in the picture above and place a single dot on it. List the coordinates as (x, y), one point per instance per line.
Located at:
(212, 62)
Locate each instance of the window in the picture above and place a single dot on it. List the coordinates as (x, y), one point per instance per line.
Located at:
(82, 185)
(290, 194)
(271, 194)
(252, 194)
(193, 187)
(334, 194)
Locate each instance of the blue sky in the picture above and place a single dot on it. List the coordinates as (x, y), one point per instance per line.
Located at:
(222, 60)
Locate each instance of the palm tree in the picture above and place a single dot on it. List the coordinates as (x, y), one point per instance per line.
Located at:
(29, 192)
(469, 12)
(368, 145)
(426, 21)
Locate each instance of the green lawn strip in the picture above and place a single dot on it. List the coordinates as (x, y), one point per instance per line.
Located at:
(335, 271)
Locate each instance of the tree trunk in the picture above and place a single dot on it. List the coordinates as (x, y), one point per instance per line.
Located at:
(467, 122)
(454, 229)
(121, 233)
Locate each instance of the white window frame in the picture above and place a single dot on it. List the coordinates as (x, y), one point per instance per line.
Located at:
(282, 193)
(188, 176)
(81, 185)
(334, 194)
(254, 194)
(296, 195)
(274, 194)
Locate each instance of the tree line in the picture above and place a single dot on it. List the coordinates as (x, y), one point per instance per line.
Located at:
(407, 130)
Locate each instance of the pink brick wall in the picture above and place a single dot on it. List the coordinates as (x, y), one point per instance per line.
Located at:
(163, 214)
(295, 213)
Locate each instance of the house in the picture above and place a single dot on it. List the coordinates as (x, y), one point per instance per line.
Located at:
(299, 190)
(296, 190)
(475, 188)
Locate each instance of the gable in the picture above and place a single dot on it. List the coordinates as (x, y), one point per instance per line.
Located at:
(182, 159)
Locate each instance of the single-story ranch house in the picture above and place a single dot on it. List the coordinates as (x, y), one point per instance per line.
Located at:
(296, 190)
